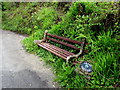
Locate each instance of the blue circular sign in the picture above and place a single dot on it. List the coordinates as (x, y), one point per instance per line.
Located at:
(85, 66)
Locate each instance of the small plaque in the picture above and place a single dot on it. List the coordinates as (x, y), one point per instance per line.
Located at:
(85, 66)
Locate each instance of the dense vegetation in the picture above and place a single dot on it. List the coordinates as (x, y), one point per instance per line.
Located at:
(97, 22)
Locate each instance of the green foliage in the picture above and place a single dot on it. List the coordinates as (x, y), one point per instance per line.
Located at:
(27, 17)
(28, 42)
(97, 22)
(106, 57)
(6, 5)
(46, 17)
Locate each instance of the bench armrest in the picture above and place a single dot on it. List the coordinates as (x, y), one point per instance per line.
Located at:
(81, 51)
(44, 39)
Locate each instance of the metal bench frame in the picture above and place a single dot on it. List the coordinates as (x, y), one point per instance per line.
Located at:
(81, 50)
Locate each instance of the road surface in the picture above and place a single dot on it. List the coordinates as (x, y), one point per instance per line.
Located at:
(19, 68)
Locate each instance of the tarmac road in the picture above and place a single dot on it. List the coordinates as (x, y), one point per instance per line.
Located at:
(19, 68)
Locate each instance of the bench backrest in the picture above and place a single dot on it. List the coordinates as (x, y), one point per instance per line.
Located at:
(64, 43)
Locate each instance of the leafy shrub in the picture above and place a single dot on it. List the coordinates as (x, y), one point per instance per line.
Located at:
(27, 19)
(47, 17)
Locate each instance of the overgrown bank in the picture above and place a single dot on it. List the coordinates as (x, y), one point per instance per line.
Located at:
(97, 22)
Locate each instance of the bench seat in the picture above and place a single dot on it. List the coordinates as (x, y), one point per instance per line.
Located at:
(55, 50)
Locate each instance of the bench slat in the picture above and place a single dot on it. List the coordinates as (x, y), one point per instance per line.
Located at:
(59, 49)
(66, 39)
(53, 49)
(69, 45)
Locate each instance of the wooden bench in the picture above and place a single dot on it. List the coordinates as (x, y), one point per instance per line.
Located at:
(58, 51)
